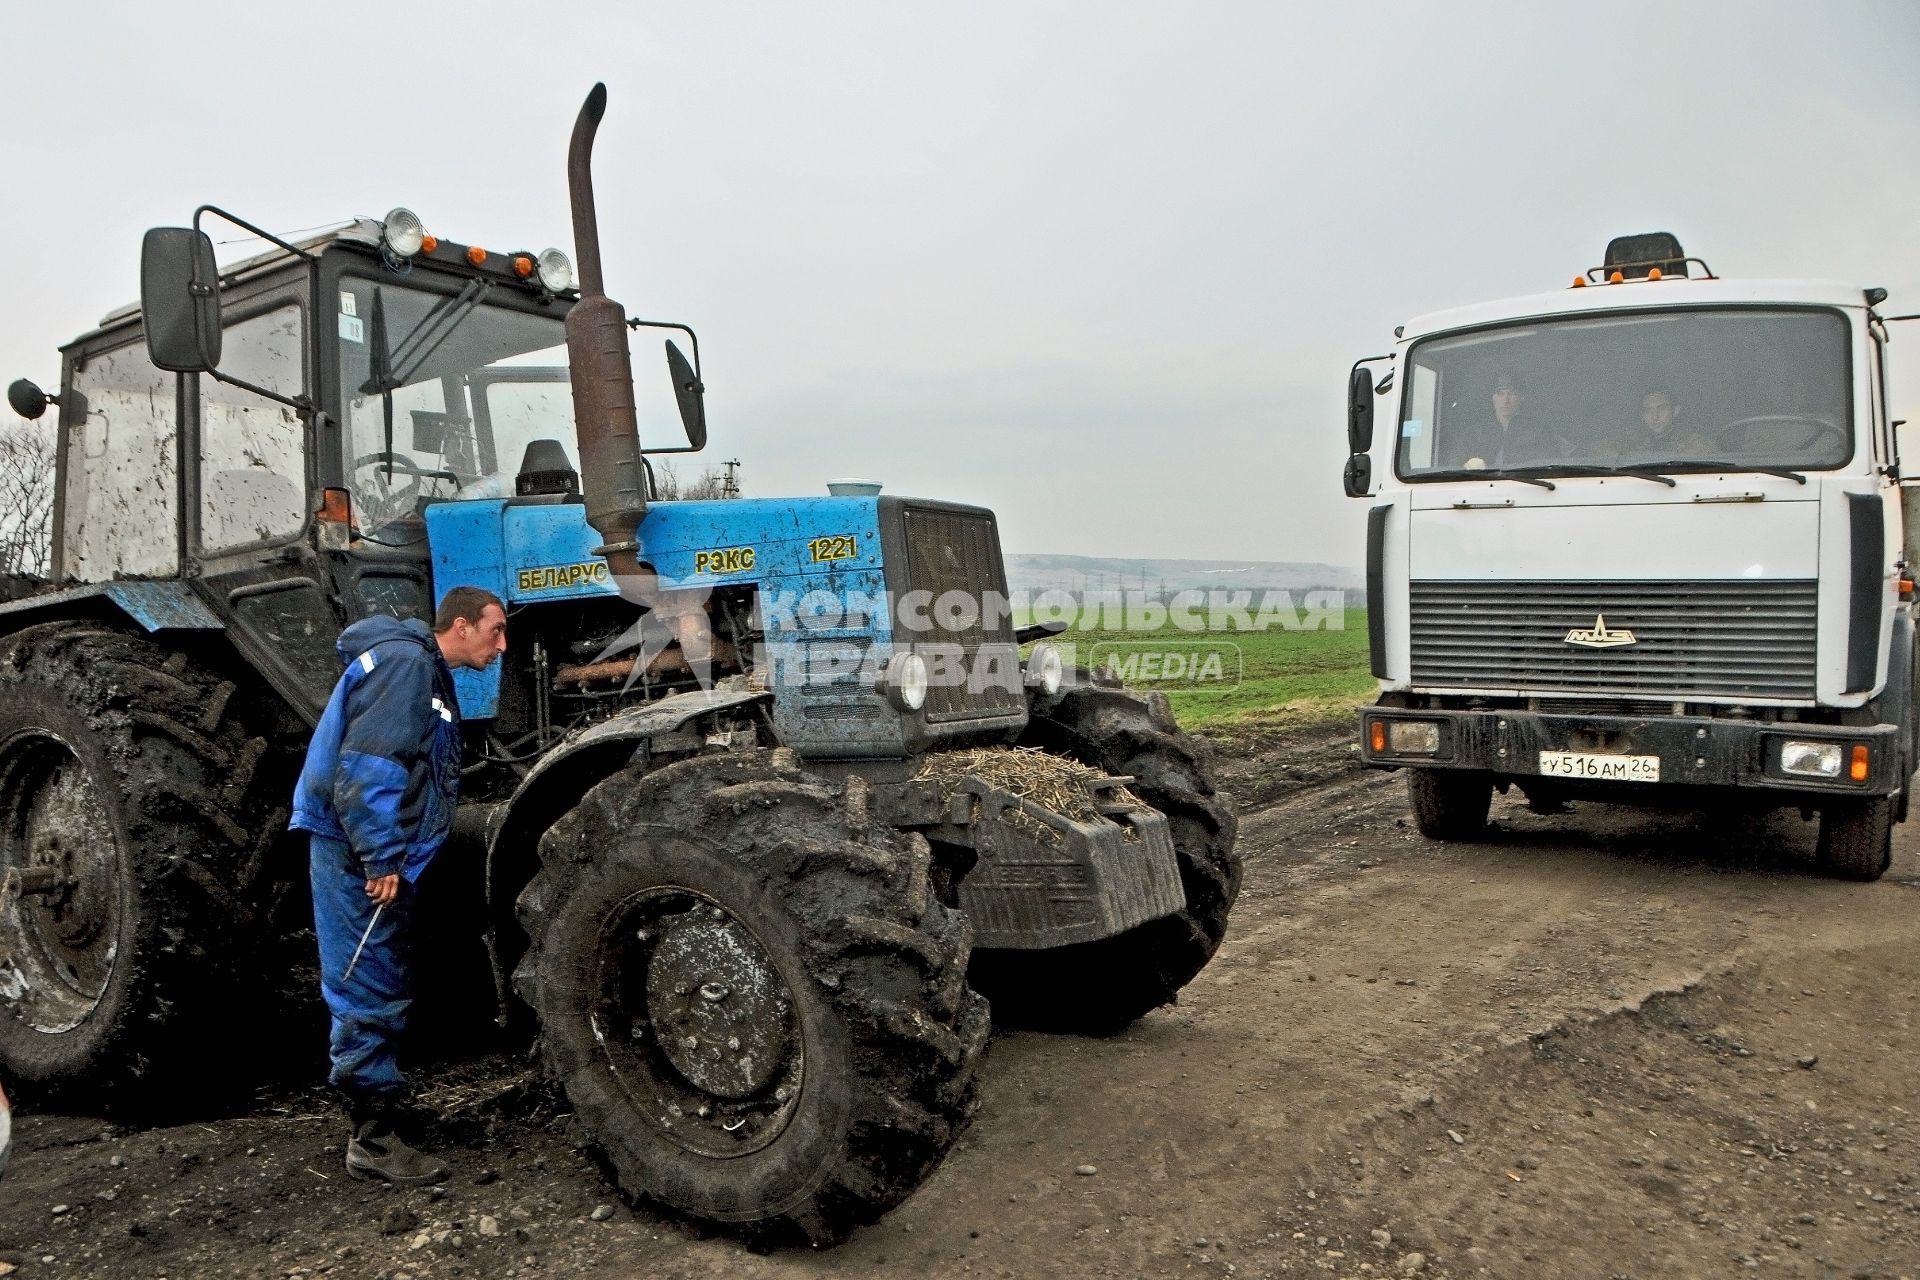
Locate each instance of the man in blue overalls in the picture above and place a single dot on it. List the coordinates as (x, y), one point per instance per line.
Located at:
(377, 796)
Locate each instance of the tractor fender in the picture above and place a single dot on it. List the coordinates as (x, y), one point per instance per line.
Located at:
(554, 785)
(617, 737)
(158, 605)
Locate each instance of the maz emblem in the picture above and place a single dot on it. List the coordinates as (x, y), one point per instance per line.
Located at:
(1599, 637)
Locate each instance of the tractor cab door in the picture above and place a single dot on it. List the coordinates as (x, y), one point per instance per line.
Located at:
(251, 494)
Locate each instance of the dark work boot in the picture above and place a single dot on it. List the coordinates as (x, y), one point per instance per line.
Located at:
(377, 1151)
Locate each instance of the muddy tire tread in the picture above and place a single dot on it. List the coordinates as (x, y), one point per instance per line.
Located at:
(191, 832)
(1856, 839)
(1449, 804)
(888, 962)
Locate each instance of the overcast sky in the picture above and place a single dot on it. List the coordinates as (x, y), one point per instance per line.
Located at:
(1100, 266)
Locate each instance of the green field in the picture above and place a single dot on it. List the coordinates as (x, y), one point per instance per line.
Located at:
(1225, 676)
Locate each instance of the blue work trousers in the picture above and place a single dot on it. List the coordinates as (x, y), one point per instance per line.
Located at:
(369, 1008)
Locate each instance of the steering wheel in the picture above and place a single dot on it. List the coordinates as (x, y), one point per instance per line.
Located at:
(1735, 434)
(383, 499)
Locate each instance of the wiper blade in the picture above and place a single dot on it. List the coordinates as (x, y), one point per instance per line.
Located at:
(1717, 464)
(397, 367)
(1645, 473)
(382, 371)
(1481, 473)
(1595, 469)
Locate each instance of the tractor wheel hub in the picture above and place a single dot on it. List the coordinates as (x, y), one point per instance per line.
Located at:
(718, 1005)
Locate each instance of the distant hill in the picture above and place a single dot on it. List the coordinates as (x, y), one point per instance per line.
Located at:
(1037, 573)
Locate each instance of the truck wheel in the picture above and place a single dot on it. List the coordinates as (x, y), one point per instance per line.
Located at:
(751, 998)
(1097, 988)
(1449, 804)
(1856, 838)
(129, 820)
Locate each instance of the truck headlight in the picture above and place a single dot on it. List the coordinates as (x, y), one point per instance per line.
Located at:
(1413, 737)
(904, 682)
(1045, 670)
(1811, 759)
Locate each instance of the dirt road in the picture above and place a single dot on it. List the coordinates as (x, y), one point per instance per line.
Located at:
(1594, 1044)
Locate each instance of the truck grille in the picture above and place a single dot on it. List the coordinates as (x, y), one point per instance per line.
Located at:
(959, 551)
(1690, 639)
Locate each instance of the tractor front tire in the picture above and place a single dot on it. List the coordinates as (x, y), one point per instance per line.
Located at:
(753, 1001)
(132, 823)
(1098, 988)
(1449, 804)
(1856, 838)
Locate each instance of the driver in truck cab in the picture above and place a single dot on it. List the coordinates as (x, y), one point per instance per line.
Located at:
(1663, 434)
(1659, 435)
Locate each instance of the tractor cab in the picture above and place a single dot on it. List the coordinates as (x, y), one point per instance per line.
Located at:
(297, 419)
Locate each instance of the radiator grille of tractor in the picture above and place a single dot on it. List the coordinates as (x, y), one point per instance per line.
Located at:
(1690, 639)
(959, 551)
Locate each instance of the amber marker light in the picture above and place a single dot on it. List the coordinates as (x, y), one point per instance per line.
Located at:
(523, 266)
(1857, 769)
(1616, 278)
(1377, 735)
(1654, 273)
(476, 255)
(429, 243)
(336, 507)
(1579, 282)
(333, 522)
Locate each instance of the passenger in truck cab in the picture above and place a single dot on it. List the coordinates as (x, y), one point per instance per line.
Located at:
(1505, 438)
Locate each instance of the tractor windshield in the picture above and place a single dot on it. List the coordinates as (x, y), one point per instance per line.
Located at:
(442, 392)
(1746, 389)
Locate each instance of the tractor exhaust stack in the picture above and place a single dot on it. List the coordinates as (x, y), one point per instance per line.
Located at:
(611, 470)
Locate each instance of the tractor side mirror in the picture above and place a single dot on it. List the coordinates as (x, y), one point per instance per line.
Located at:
(1359, 410)
(27, 399)
(1358, 477)
(180, 299)
(690, 394)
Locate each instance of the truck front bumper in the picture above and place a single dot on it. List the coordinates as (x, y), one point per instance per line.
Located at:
(1704, 752)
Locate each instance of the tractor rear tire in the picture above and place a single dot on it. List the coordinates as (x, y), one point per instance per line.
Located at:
(751, 997)
(1449, 804)
(1098, 988)
(132, 826)
(1856, 838)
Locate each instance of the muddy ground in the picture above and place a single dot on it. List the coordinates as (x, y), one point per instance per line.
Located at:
(1601, 1043)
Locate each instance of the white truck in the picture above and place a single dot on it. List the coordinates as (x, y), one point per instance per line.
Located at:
(1642, 540)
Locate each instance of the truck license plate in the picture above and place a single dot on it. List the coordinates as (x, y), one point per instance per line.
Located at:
(1580, 764)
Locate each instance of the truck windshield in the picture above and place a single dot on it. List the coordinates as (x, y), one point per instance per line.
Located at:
(1688, 390)
(471, 384)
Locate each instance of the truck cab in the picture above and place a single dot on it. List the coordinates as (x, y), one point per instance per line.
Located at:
(1641, 539)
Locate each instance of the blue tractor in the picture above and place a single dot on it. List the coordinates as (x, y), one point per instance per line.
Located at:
(763, 805)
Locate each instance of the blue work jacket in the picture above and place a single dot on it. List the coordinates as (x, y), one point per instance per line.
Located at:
(383, 770)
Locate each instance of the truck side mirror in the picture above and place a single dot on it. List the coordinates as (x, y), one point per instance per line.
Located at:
(690, 394)
(180, 299)
(1359, 410)
(1358, 478)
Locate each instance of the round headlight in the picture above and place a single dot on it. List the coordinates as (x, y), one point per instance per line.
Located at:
(556, 273)
(403, 232)
(1045, 670)
(905, 681)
